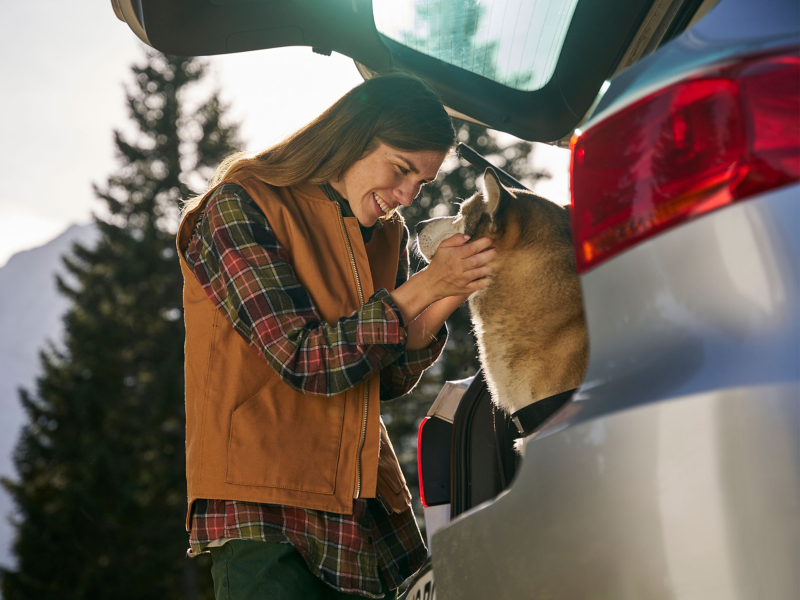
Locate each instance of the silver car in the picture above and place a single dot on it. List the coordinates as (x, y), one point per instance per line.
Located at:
(674, 470)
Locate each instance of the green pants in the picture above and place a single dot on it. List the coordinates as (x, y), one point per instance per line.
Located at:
(251, 570)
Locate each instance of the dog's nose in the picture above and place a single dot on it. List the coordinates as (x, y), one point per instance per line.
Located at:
(420, 226)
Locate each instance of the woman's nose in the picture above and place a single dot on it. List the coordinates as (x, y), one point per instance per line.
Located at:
(406, 193)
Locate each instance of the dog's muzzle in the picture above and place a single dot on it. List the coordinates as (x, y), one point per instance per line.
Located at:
(421, 225)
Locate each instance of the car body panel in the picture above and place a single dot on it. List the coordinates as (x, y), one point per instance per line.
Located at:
(202, 27)
(696, 497)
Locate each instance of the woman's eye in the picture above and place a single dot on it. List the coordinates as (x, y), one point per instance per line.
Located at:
(403, 170)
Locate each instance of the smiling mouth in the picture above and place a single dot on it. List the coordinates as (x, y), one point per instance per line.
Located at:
(381, 204)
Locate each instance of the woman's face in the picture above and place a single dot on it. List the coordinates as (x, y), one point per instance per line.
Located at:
(385, 179)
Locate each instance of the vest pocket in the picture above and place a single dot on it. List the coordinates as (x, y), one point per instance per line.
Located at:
(389, 472)
(283, 439)
(392, 486)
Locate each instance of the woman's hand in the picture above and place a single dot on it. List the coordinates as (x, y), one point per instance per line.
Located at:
(457, 270)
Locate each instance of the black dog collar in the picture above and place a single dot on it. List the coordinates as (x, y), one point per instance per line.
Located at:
(529, 418)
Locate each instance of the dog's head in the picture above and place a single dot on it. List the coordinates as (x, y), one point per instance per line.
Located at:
(509, 216)
(477, 216)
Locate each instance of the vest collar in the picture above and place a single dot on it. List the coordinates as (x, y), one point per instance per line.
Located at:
(311, 190)
(347, 211)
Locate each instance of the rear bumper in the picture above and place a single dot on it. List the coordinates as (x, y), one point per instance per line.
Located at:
(697, 497)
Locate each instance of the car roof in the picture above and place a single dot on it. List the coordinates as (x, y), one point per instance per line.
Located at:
(601, 37)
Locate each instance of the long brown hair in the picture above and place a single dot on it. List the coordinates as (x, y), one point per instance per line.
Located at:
(397, 109)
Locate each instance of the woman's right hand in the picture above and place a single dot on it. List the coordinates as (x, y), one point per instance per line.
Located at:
(457, 270)
(460, 267)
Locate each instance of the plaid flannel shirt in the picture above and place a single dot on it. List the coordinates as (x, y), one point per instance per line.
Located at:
(243, 268)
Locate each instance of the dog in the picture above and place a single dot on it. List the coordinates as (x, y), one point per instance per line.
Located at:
(529, 321)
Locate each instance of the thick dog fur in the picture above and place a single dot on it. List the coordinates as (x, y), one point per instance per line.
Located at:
(529, 321)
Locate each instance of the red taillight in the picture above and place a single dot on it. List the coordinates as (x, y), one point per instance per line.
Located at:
(697, 145)
(419, 461)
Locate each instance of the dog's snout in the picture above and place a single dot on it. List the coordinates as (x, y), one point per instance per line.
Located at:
(420, 226)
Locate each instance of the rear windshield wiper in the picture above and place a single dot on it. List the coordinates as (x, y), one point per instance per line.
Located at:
(479, 161)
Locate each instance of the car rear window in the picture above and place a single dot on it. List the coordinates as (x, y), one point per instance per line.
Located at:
(513, 42)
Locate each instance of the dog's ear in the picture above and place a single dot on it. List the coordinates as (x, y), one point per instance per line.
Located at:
(493, 192)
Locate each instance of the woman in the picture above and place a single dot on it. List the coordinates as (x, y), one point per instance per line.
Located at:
(293, 484)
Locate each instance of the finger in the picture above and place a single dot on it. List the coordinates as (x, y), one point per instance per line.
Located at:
(479, 245)
(480, 259)
(479, 284)
(458, 239)
(479, 273)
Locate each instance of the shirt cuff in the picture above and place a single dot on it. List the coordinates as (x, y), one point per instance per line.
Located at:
(380, 322)
(425, 357)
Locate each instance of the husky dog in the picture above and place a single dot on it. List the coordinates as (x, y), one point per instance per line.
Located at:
(529, 320)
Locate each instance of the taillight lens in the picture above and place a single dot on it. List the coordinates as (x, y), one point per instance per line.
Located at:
(697, 145)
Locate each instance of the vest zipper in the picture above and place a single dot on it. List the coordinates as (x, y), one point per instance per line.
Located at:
(366, 395)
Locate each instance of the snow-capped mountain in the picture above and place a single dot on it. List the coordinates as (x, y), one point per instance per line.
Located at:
(30, 314)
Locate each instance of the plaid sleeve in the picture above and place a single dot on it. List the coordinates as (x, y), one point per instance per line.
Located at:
(245, 272)
(402, 375)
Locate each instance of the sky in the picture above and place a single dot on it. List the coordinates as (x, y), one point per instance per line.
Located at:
(62, 86)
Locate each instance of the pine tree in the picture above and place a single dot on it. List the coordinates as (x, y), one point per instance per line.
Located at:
(448, 30)
(101, 489)
(459, 359)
